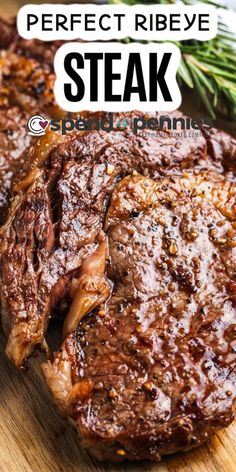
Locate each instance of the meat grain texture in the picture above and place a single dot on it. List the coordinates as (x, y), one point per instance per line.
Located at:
(137, 233)
(26, 88)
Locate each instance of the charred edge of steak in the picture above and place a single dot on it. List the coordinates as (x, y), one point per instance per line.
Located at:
(8, 32)
(88, 165)
(153, 371)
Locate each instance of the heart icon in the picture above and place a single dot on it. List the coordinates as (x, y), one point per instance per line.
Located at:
(44, 124)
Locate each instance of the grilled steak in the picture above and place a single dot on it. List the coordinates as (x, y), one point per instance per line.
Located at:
(26, 88)
(59, 209)
(57, 213)
(13, 141)
(8, 32)
(152, 371)
(138, 232)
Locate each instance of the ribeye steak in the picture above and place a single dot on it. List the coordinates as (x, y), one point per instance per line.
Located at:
(152, 370)
(59, 209)
(26, 88)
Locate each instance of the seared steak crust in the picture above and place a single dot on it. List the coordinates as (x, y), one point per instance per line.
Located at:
(62, 202)
(26, 88)
(13, 141)
(152, 371)
(8, 32)
(139, 233)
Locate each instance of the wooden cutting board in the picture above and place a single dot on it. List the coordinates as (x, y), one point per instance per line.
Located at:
(33, 437)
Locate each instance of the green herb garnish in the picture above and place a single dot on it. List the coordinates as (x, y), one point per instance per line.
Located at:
(208, 67)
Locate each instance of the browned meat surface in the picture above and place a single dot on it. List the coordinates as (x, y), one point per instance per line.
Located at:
(8, 32)
(43, 51)
(222, 147)
(26, 88)
(27, 83)
(13, 141)
(59, 210)
(137, 233)
(152, 371)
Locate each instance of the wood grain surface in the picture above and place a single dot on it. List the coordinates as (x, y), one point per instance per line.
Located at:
(33, 437)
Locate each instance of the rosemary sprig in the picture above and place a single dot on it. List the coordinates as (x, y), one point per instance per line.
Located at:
(207, 67)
